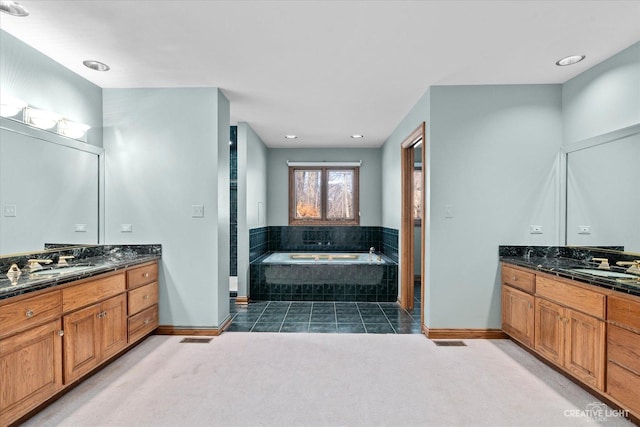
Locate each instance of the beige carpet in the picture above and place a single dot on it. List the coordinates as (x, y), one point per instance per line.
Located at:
(251, 379)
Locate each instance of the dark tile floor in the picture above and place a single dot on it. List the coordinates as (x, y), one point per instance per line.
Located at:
(325, 317)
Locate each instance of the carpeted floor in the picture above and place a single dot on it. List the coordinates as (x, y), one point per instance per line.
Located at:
(271, 379)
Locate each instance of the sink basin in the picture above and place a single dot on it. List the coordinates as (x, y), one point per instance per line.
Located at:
(61, 270)
(605, 273)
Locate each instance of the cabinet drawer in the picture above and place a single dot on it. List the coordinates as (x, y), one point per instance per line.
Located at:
(623, 385)
(623, 347)
(92, 292)
(578, 298)
(519, 279)
(143, 297)
(143, 323)
(29, 312)
(624, 311)
(142, 275)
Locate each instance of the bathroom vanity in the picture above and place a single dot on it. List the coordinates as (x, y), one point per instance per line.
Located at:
(582, 319)
(58, 325)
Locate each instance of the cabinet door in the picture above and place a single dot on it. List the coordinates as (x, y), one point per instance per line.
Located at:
(30, 368)
(81, 342)
(113, 326)
(584, 348)
(518, 315)
(549, 330)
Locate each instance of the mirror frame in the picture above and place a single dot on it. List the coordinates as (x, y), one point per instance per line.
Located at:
(601, 139)
(16, 126)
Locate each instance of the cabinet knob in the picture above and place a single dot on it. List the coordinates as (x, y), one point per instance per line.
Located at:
(29, 313)
(146, 275)
(61, 333)
(146, 322)
(99, 315)
(145, 296)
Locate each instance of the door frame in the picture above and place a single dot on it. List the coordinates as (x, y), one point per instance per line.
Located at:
(407, 224)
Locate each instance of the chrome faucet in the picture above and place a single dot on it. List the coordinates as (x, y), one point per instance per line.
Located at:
(372, 250)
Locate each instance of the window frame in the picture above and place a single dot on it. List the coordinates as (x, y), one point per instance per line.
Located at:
(324, 194)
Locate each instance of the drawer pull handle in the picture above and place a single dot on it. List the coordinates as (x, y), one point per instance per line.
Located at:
(102, 314)
(61, 333)
(29, 313)
(146, 275)
(515, 279)
(145, 296)
(146, 322)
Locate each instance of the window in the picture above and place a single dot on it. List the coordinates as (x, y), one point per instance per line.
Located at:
(320, 195)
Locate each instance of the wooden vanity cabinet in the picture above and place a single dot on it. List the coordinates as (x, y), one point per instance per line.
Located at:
(142, 295)
(518, 315)
(30, 368)
(54, 337)
(93, 335)
(623, 350)
(570, 328)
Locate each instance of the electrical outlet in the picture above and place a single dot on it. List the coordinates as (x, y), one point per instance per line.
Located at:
(9, 210)
(535, 229)
(197, 211)
(126, 228)
(81, 228)
(584, 229)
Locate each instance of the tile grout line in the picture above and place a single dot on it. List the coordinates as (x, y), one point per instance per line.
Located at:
(258, 319)
(388, 321)
(285, 316)
(361, 319)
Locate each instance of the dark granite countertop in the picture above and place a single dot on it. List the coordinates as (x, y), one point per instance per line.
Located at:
(563, 267)
(94, 260)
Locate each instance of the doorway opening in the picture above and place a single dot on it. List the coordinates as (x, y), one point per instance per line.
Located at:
(413, 155)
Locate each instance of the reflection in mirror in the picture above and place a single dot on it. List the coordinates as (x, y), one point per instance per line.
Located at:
(603, 201)
(48, 191)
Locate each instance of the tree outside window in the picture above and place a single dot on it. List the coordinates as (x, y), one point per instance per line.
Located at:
(323, 196)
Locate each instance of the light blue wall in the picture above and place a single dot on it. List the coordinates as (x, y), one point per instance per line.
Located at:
(37, 79)
(166, 150)
(491, 153)
(604, 98)
(252, 195)
(370, 179)
(494, 158)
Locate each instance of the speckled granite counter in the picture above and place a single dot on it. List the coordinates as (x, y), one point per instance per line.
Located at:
(561, 261)
(94, 260)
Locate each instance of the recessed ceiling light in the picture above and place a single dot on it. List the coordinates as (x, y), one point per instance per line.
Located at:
(96, 65)
(13, 8)
(357, 136)
(570, 60)
(291, 136)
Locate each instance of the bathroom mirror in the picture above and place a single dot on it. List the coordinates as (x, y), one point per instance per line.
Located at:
(603, 202)
(49, 189)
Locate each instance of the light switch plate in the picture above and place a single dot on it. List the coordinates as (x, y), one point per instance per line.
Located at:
(584, 229)
(81, 228)
(197, 211)
(9, 210)
(448, 211)
(126, 228)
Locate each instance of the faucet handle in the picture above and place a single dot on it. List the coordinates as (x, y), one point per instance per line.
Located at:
(604, 263)
(34, 264)
(62, 260)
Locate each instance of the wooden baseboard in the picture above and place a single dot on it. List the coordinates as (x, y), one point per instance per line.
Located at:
(242, 300)
(196, 332)
(443, 334)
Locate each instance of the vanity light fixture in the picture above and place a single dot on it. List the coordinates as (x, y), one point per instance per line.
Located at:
(13, 8)
(291, 136)
(570, 60)
(357, 136)
(71, 129)
(10, 105)
(41, 118)
(96, 65)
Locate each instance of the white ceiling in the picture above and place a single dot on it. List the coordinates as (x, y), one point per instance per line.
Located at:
(324, 70)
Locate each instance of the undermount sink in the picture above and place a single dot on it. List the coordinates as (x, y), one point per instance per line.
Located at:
(605, 273)
(61, 270)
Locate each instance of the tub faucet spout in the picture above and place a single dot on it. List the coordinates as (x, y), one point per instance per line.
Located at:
(372, 250)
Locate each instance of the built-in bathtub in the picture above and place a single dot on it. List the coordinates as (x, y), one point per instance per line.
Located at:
(324, 276)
